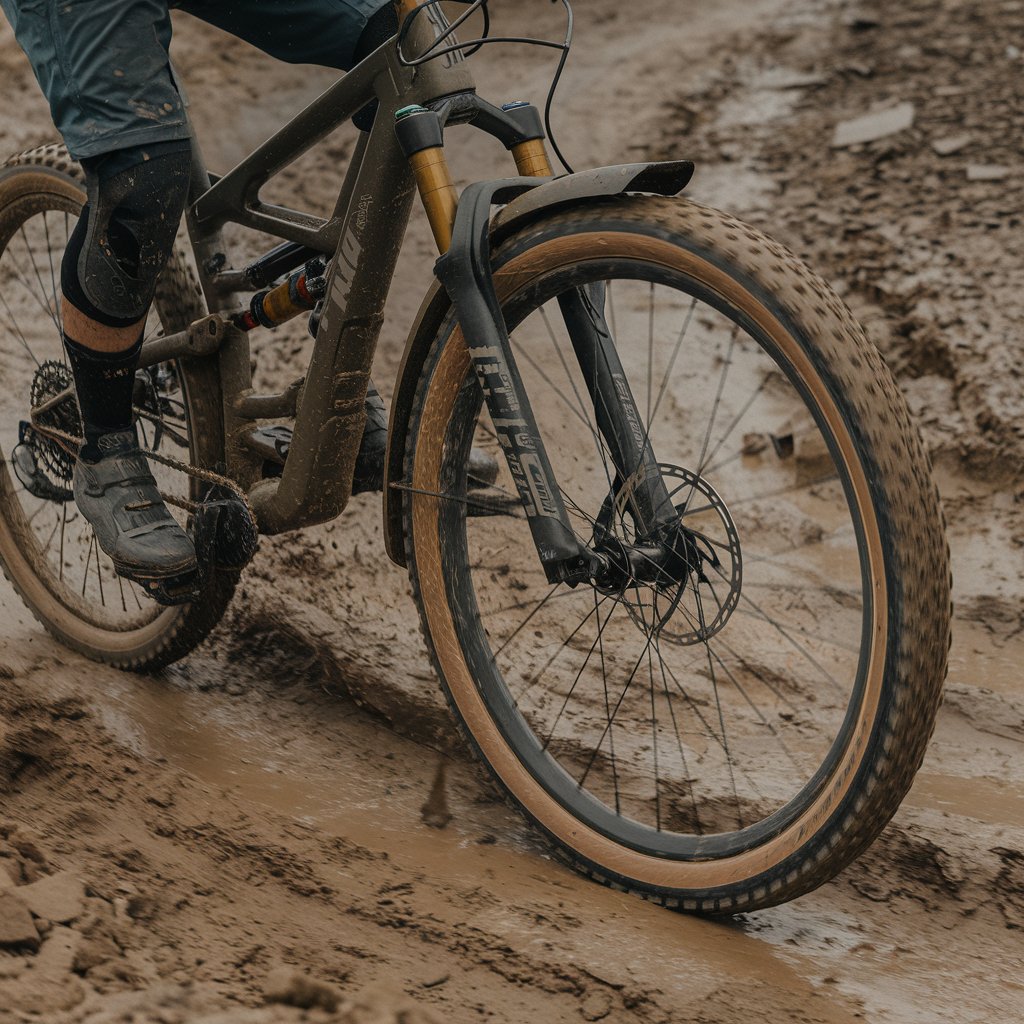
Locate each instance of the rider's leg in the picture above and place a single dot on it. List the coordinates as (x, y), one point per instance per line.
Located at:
(108, 277)
(104, 68)
(109, 273)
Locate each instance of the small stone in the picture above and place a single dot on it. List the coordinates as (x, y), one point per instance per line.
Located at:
(293, 988)
(596, 1006)
(879, 124)
(986, 172)
(754, 444)
(950, 144)
(16, 925)
(57, 898)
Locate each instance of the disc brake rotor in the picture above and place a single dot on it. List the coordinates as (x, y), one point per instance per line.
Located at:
(698, 588)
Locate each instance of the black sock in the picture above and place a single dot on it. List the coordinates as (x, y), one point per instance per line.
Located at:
(105, 382)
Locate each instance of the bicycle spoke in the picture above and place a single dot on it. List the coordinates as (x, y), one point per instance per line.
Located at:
(654, 713)
(671, 364)
(17, 330)
(537, 676)
(492, 510)
(53, 274)
(52, 313)
(607, 707)
(618, 704)
(579, 675)
(53, 533)
(782, 631)
(540, 604)
(679, 741)
(527, 604)
(24, 282)
(782, 491)
(63, 529)
(88, 560)
(757, 711)
(737, 419)
(726, 367)
(598, 440)
(804, 632)
(718, 704)
(650, 351)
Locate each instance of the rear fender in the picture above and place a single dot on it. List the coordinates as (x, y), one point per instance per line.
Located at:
(528, 200)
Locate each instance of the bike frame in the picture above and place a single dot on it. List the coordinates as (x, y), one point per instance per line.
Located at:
(363, 236)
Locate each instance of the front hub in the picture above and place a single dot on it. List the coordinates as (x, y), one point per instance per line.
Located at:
(681, 579)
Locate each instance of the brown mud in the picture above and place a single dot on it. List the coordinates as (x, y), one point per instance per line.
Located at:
(262, 803)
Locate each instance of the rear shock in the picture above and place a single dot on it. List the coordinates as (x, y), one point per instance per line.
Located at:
(298, 293)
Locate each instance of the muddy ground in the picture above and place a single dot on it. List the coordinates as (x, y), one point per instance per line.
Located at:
(258, 806)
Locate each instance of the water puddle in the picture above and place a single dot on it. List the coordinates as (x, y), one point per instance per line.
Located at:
(981, 657)
(352, 778)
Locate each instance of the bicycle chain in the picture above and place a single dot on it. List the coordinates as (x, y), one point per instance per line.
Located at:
(72, 444)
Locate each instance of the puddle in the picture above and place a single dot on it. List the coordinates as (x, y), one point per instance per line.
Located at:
(339, 780)
(982, 799)
(979, 657)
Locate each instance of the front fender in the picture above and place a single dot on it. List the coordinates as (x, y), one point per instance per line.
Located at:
(531, 202)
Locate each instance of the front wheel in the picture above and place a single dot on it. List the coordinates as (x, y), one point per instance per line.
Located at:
(729, 731)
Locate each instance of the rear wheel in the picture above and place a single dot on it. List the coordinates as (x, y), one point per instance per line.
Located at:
(729, 732)
(48, 551)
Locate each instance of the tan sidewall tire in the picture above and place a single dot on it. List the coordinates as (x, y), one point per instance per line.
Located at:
(749, 878)
(48, 174)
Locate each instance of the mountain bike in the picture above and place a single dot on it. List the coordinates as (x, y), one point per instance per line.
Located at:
(696, 627)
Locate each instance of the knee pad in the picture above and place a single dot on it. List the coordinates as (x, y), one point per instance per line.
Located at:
(126, 231)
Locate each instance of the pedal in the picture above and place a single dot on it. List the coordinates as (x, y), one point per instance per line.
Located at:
(175, 591)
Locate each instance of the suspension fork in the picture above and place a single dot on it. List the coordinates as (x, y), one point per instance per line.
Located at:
(464, 269)
(615, 409)
(638, 481)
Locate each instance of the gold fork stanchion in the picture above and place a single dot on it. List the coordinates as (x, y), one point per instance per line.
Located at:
(420, 133)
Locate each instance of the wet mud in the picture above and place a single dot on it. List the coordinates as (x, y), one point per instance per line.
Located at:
(270, 806)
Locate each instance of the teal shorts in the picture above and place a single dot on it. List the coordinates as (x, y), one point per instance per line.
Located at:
(103, 64)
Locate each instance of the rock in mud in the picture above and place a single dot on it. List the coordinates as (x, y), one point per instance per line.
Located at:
(58, 898)
(293, 988)
(986, 172)
(17, 930)
(379, 1005)
(950, 144)
(879, 124)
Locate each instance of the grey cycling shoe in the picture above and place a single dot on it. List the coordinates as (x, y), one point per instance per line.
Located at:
(119, 498)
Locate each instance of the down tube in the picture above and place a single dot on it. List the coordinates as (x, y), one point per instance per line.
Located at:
(317, 479)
